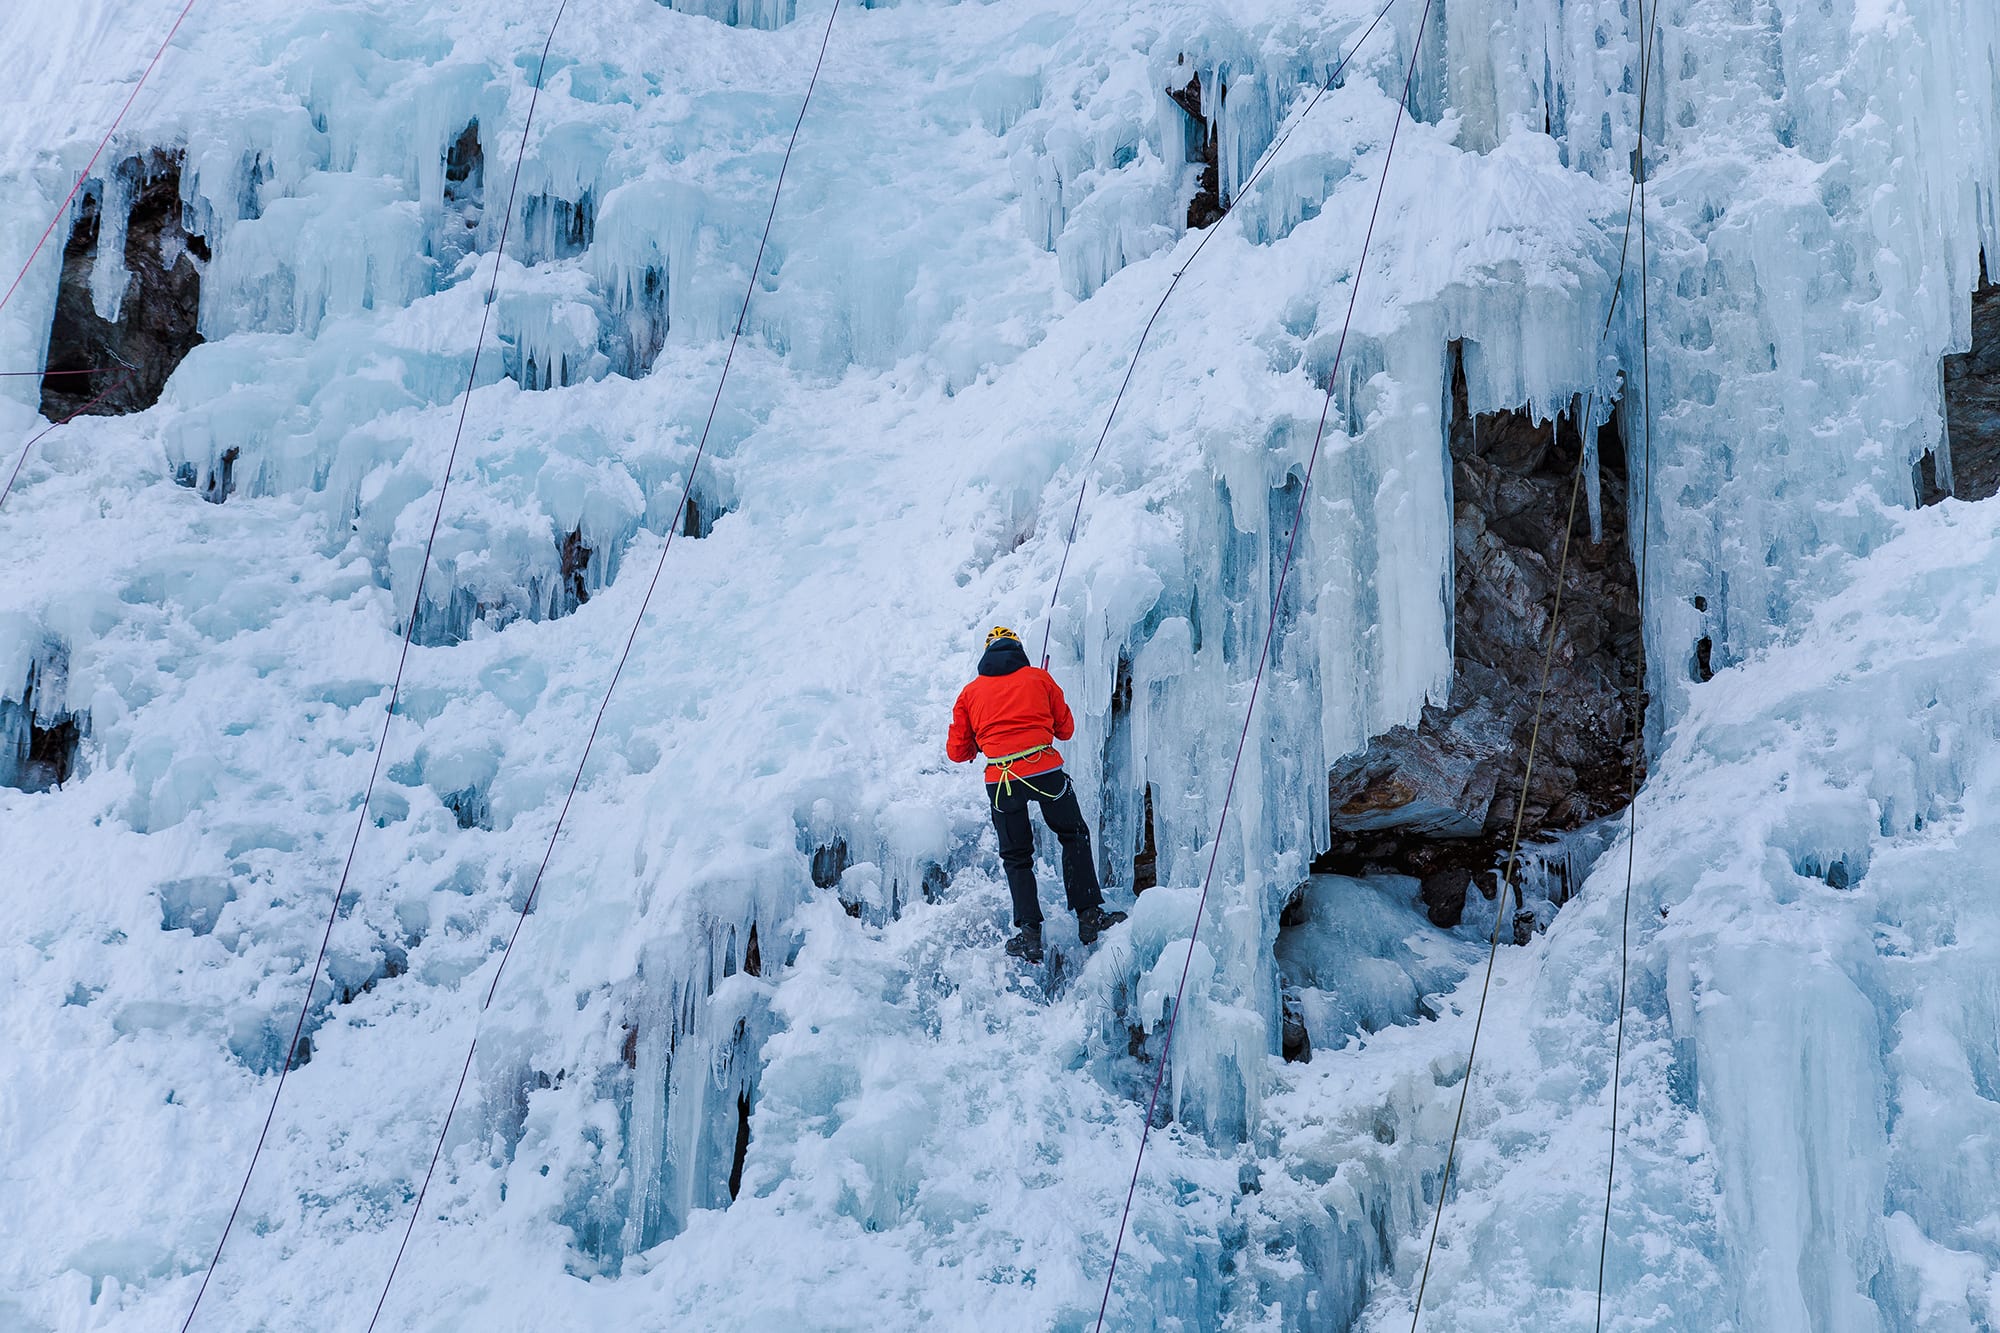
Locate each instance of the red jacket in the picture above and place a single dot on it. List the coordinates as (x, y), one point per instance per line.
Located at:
(999, 715)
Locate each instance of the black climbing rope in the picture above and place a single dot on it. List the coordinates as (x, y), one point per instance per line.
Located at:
(1263, 660)
(1208, 234)
(1635, 197)
(527, 905)
(395, 689)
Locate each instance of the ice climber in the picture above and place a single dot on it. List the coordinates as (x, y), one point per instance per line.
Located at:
(1013, 713)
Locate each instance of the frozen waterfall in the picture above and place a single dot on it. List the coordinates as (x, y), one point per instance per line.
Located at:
(759, 1062)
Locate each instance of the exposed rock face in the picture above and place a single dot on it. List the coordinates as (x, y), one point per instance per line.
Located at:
(1972, 411)
(1437, 801)
(156, 323)
(1207, 205)
(640, 317)
(40, 739)
(575, 556)
(556, 228)
(464, 197)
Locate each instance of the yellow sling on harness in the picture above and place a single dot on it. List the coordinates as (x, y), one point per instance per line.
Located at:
(1005, 763)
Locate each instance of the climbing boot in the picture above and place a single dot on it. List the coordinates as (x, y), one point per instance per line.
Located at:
(1094, 921)
(1027, 944)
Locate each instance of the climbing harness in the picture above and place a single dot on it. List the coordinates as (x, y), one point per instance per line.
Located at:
(1008, 777)
(395, 689)
(1263, 658)
(1637, 197)
(534, 888)
(1208, 234)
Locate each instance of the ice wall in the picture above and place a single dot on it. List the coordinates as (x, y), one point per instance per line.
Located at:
(1806, 1090)
(986, 203)
(1824, 182)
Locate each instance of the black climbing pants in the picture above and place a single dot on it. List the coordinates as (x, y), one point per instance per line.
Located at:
(1060, 811)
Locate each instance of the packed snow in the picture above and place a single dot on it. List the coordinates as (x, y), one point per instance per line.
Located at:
(758, 1061)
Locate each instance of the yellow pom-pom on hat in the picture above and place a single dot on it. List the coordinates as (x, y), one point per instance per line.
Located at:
(1000, 632)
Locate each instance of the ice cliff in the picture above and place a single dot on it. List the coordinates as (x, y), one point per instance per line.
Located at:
(758, 1062)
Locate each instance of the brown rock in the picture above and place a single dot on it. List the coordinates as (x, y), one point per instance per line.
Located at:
(157, 324)
(1437, 800)
(1972, 410)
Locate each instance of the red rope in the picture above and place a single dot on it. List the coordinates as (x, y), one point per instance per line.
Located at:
(1263, 659)
(395, 689)
(102, 144)
(43, 434)
(1090, 464)
(576, 780)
